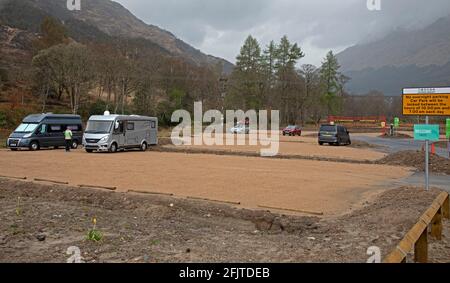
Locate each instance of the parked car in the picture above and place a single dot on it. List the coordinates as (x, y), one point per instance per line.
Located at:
(334, 135)
(119, 132)
(240, 129)
(45, 130)
(292, 131)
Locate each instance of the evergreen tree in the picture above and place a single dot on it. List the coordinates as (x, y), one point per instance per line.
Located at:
(247, 78)
(249, 59)
(287, 56)
(332, 82)
(53, 33)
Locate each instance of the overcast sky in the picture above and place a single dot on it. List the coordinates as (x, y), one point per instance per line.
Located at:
(219, 27)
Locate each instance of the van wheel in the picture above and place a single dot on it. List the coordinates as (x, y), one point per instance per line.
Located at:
(320, 143)
(113, 148)
(34, 146)
(14, 149)
(74, 144)
(144, 146)
(89, 150)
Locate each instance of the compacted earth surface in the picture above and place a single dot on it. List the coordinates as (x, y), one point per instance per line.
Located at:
(171, 205)
(304, 185)
(39, 222)
(411, 158)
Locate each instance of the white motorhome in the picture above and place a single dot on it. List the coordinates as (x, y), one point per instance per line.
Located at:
(119, 132)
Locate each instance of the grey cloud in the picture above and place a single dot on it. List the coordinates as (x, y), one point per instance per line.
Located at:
(219, 27)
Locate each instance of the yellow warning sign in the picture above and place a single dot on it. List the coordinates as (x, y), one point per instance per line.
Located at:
(426, 104)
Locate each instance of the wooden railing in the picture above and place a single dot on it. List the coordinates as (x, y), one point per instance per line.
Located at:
(417, 238)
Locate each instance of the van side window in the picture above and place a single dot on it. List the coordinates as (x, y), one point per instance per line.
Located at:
(42, 129)
(153, 124)
(55, 129)
(130, 126)
(74, 128)
(119, 130)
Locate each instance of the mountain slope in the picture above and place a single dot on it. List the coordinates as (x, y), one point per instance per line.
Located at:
(413, 58)
(103, 16)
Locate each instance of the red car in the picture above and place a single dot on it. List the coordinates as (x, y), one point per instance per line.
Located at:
(292, 131)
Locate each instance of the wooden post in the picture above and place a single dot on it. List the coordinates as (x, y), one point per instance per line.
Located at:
(436, 225)
(421, 248)
(446, 208)
(404, 260)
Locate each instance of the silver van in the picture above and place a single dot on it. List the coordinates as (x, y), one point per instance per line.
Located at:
(119, 132)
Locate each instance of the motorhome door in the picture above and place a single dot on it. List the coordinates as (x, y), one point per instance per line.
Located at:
(153, 132)
(119, 133)
(131, 134)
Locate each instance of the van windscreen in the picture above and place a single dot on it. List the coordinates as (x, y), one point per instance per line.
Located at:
(98, 127)
(26, 128)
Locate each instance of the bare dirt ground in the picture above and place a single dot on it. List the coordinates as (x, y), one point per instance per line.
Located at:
(397, 136)
(144, 228)
(313, 186)
(301, 146)
(415, 159)
(360, 206)
(442, 144)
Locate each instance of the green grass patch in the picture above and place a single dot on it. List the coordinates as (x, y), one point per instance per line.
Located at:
(94, 235)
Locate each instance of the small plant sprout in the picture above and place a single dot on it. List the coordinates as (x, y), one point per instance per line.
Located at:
(93, 234)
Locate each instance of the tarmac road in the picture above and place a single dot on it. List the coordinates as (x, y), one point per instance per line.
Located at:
(396, 145)
(418, 179)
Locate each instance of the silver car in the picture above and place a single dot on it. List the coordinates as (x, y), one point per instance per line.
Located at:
(240, 129)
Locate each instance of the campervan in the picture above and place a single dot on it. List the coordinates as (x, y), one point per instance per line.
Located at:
(113, 133)
(45, 130)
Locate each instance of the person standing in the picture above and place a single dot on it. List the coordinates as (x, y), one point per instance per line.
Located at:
(68, 138)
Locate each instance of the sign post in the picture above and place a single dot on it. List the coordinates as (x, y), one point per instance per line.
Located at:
(427, 158)
(426, 102)
(427, 133)
(396, 125)
(448, 136)
(448, 129)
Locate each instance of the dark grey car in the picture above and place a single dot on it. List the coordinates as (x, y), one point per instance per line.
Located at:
(45, 130)
(334, 135)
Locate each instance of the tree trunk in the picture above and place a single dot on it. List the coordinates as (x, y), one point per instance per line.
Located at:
(44, 100)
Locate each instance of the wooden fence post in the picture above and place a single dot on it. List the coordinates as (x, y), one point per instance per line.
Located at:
(436, 225)
(421, 248)
(446, 208)
(431, 223)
